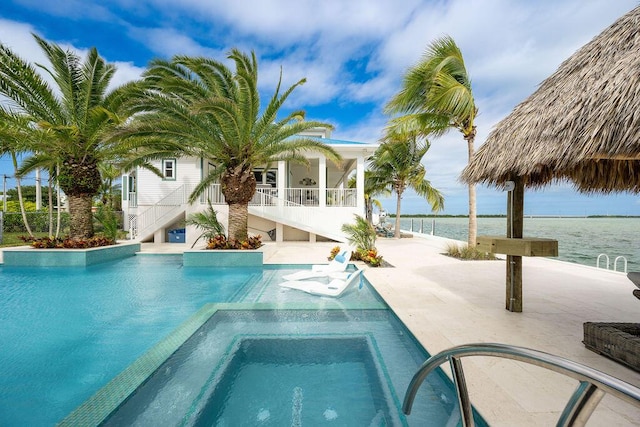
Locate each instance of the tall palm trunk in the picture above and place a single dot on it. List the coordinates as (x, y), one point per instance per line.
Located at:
(238, 186)
(59, 210)
(368, 208)
(396, 232)
(81, 216)
(20, 199)
(473, 222)
(50, 198)
(238, 216)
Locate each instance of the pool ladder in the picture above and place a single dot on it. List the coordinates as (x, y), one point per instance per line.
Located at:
(615, 262)
(592, 388)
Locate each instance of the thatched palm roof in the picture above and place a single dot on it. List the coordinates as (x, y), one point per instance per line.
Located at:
(582, 124)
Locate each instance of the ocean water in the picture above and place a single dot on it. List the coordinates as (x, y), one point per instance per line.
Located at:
(580, 240)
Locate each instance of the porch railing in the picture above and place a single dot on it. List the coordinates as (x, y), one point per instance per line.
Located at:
(344, 197)
(292, 196)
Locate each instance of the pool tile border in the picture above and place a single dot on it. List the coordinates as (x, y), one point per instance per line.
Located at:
(223, 258)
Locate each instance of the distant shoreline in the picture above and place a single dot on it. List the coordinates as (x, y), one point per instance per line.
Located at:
(504, 216)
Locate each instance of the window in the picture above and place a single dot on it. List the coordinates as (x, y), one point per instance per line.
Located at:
(169, 169)
(268, 177)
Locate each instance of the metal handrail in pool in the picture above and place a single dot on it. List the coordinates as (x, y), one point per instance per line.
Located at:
(592, 388)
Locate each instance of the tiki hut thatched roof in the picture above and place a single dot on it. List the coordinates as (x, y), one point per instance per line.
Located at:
(581, 125)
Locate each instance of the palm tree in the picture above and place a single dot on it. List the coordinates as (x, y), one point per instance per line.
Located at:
(77, 114)
(396, 165)
(436, 96)
(204, 109)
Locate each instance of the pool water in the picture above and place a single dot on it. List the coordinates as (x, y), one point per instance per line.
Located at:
(351, 365)
(68, 332)
(297, 381)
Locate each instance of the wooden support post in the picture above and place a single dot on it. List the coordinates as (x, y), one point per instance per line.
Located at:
(515, 225)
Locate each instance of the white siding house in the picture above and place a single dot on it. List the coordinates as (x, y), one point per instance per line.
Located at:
(292, 201)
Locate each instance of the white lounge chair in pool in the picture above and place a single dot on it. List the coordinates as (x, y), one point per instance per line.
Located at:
(335, 288)
(335, 269)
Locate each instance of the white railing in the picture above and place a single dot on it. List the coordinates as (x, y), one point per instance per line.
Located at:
(262, 197)
(292, 196)
(133, 199)
(151, 216)
(214, 195)
(303, 196)
(265, 197)
(344, 197)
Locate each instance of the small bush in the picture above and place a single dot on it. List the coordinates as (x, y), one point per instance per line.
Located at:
(466, 253)
(335, 251)
(369, 256)
(221, 242)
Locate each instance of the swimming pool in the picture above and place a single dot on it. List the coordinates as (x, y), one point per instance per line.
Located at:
(70, 331)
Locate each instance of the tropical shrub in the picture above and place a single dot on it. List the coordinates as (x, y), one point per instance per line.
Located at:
(368, 256)
(68, 243)
(464, 252)
(221, 242)
(362, 235)
(334, 251)
(207, 221)
(109, 222)
(14, 206)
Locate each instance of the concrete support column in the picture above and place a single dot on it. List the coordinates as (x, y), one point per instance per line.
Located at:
(360, 184)
(282, 185)
(279, 232)
(159, 236)
(322, 181)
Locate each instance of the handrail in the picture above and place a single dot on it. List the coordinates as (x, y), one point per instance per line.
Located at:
(598, 260)
(151, 215)
(615, 263)
(593, 384)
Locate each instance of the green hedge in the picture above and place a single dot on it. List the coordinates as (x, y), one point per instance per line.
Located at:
(39, 222)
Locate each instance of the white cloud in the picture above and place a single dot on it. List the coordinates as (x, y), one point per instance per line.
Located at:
(354, 53)
(17, 36)
(167, 42)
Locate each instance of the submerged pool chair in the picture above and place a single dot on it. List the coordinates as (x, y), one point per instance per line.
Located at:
(335, 288)
(335, 269)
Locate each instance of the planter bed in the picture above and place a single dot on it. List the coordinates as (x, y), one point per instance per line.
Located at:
(31, 257)
(618, 341)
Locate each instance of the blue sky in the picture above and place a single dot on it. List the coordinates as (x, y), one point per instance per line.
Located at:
(353, 54)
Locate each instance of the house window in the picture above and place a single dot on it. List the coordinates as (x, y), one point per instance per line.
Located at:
(169, 169)
(265, 177)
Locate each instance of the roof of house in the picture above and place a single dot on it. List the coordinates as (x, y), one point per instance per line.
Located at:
(330, 141)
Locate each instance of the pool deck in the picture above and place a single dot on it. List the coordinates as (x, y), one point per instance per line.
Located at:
(447, 302)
